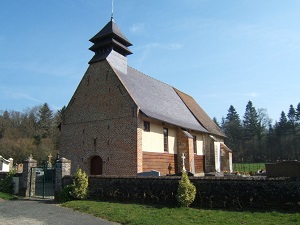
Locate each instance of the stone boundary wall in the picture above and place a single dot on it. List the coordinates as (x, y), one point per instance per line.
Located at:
(212, 192)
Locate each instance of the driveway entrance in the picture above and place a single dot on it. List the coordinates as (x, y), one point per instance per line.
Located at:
(43, 212)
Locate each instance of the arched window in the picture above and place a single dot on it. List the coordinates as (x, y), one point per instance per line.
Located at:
(96, 165)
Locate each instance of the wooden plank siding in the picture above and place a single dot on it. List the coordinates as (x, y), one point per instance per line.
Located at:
(159, 162)
(199, 163)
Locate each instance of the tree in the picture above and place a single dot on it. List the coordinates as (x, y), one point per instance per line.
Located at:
(232, 127)
(80, 185)
(32, 131)
(298, 113)
(250, 122)
(292, 119)
(216, 121)
(186, 191)
(44, 120)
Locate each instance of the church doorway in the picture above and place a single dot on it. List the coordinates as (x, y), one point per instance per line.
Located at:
(96, 165)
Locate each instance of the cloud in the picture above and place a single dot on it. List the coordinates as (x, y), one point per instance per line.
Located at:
(251, 94)
(39, 68)
(137, 28)
(150, 46)
(12, 94)
(147, 49)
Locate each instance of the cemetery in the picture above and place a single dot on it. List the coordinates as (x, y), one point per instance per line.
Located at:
(277, 190)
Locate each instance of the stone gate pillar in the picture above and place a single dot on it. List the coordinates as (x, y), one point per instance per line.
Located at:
(62, 168)
(28, 178)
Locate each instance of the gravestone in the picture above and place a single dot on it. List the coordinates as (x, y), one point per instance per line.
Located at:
(152, 173)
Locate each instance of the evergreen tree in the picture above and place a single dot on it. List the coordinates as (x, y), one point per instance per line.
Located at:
(298, 111)
(232, 127)
(250, 122)
(216, 121)
(292, 119)
(251, 131)
(45, 121)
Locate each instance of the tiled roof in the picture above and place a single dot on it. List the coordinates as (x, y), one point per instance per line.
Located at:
(158, 100)
(111, 28)
(110, 37)
(200, 114)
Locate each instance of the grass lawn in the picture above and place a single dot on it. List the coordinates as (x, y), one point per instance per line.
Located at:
(6, 196)
(248, 167)
(134, 214)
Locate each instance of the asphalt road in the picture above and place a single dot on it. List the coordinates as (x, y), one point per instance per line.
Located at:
(43, 212)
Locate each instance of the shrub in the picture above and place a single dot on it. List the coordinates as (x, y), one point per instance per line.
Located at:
(80, 185)
(6, 184)
(186, 191)
(66, 193)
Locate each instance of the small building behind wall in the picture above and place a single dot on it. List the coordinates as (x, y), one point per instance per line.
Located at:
(6, 165)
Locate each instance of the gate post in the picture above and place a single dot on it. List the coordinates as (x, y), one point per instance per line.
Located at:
(28, 178)
(62, 169)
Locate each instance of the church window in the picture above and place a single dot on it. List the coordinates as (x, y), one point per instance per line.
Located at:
(195, 143)
(146, 126)
(166, 139)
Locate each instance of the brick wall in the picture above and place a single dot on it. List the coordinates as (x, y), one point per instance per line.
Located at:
(101, 120)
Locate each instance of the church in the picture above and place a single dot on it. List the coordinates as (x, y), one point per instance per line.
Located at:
(122, 122)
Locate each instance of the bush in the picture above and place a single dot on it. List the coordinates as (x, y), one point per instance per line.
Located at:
(80, 185)
(6, 184)
(65, 194)
(186, 192)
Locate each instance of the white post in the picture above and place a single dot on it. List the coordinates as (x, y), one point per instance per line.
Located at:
(183, 165)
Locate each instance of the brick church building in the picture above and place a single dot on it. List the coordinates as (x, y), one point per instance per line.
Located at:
(123, 122)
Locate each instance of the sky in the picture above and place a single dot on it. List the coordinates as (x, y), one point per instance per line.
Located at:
(220, 52)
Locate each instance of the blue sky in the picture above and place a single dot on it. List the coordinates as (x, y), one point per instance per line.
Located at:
(220, 52)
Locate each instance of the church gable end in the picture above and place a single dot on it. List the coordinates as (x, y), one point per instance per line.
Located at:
(100, 115)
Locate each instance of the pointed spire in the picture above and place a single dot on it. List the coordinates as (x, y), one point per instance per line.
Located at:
(108, 39)
(112, 10)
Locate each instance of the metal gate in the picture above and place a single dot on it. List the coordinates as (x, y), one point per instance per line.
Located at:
(42, 182)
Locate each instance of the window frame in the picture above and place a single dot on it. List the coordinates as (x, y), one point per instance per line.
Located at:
(166, 139)
(195, 144)
(146, 126)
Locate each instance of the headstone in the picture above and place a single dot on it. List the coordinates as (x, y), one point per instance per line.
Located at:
(152, 173)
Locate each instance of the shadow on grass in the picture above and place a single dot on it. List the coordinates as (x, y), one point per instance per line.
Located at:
(285, 209)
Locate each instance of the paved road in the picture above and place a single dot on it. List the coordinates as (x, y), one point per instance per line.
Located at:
(43, 212)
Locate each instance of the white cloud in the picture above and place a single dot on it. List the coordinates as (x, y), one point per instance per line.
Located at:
(39, 68)
(147, 49)
(137, 27)
(251, 94)
(170, 46)
(12, 94)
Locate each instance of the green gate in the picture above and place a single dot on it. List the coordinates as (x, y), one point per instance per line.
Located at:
(42, 182)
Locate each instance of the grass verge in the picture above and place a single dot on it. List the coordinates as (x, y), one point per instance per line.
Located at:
(248, 167)
(6, 196)
(135, 214)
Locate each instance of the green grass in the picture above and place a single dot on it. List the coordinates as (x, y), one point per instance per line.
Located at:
(6, 196)
(248, 167)
(135, 214)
